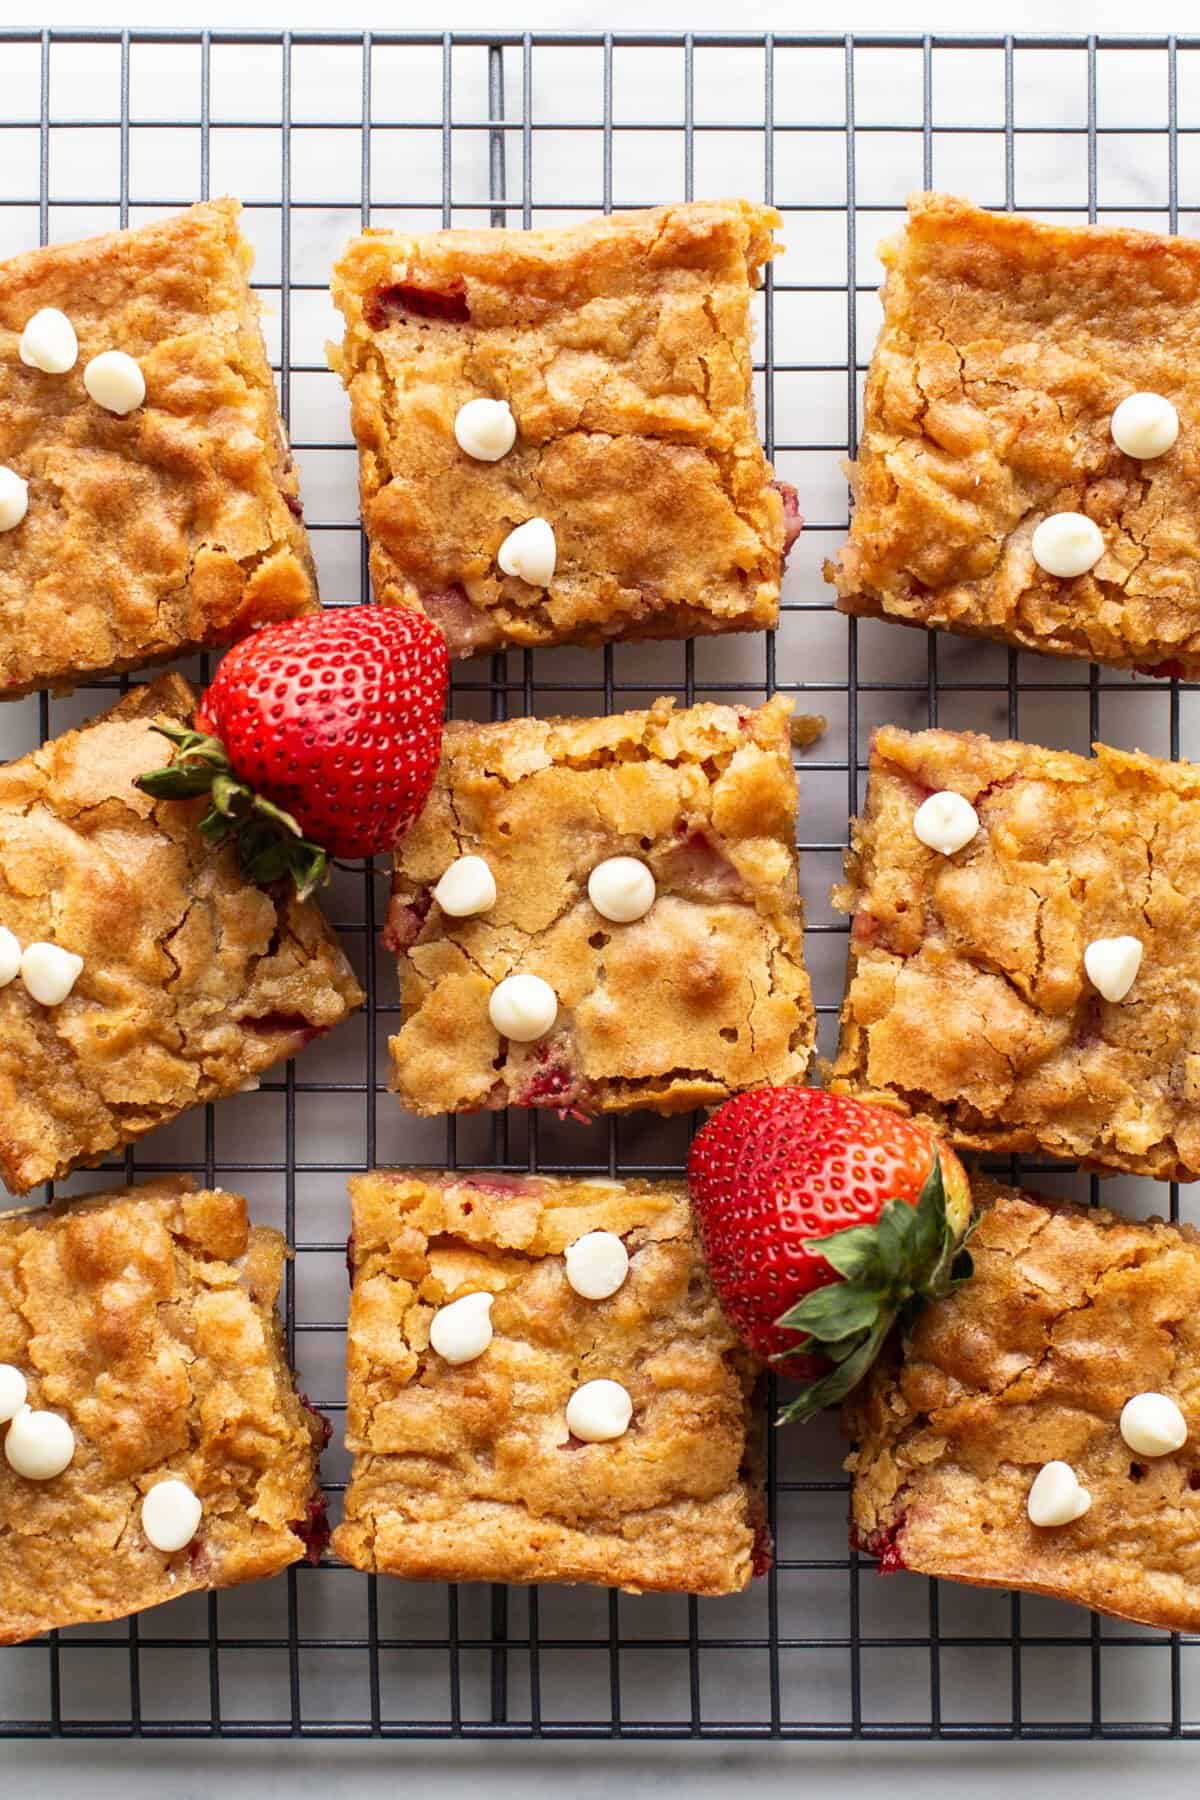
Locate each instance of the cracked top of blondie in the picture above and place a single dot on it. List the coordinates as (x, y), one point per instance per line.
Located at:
(178, 525)
(146, 1318)
(1071, 1312)
(623, 348)
(469, 1472)
(1006, 346)
(193, 982)
(704, 995)
(968, 1004)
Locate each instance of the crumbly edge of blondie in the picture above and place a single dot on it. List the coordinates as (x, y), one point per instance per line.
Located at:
(254, 365)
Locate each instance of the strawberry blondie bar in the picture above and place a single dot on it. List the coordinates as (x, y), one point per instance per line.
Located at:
(601, 914)
(1071, 1316)
(1007, 347)
(135, 530)
(139, 1337)
(543, 1387)
(141, 973)
(590, 386)
(1029, 982)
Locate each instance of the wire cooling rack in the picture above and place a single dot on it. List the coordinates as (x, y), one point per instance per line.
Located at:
(319, 134)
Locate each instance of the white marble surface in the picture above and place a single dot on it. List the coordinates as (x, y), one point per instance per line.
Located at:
(1132, 91)
(1046, 16)
(591, 1771)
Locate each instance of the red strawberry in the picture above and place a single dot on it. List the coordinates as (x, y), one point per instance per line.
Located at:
(824, 1216)
(318, 737)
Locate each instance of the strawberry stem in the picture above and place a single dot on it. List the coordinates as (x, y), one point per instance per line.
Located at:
(911, 1255)
(270, 844)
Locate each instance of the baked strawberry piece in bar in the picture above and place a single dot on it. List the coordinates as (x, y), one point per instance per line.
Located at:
(995, 491)
(1022, 959)
(149, 532)
(606, 368)
(601, 914)
(543, 1387)
(1074, 1343)
(139, 1339)
(153, 975)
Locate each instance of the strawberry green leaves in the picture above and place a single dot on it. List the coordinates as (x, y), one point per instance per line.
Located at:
(269, 842)
(910, 1255)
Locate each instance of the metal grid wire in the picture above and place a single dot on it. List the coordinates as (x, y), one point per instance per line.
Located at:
(320, 133)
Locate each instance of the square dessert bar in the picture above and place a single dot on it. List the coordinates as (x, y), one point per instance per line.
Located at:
(145, 1318)
(622, 347)
(469, 1471)
(193, 980)
(969, 1005)
(177, 525)
(702, 996)
(1006, 346)
(1070, 1314)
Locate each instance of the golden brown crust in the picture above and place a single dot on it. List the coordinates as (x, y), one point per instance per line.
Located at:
(1006, 346)
(623, 346)
(171, 529)
(146, 1317)
(704, 996)
(967, 1003)
(194, 981)
(469, 1473)
(1070, 1313)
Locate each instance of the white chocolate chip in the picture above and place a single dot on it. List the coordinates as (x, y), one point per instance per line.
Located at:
(50, 972)
(14, 498)
(1067, 544)
(485, 429)
(621, 889)
(1056, 1497)
(171, 1515)
(599, 1411)
(48, 342)
(529, 553)
(523, 1007)
(1112, 965)
(115, 382)
(39, 1445)
(597, 1264)
(1152, 1425)
(945, 822)
(463, 1330)
(10, 957)
(14, 1391)
(1145, 426)
(467, 887)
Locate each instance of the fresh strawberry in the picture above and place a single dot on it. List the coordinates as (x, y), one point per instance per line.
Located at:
(825, 1217)
(318, 737)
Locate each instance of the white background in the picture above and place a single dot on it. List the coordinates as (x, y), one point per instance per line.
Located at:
(332, 1770)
